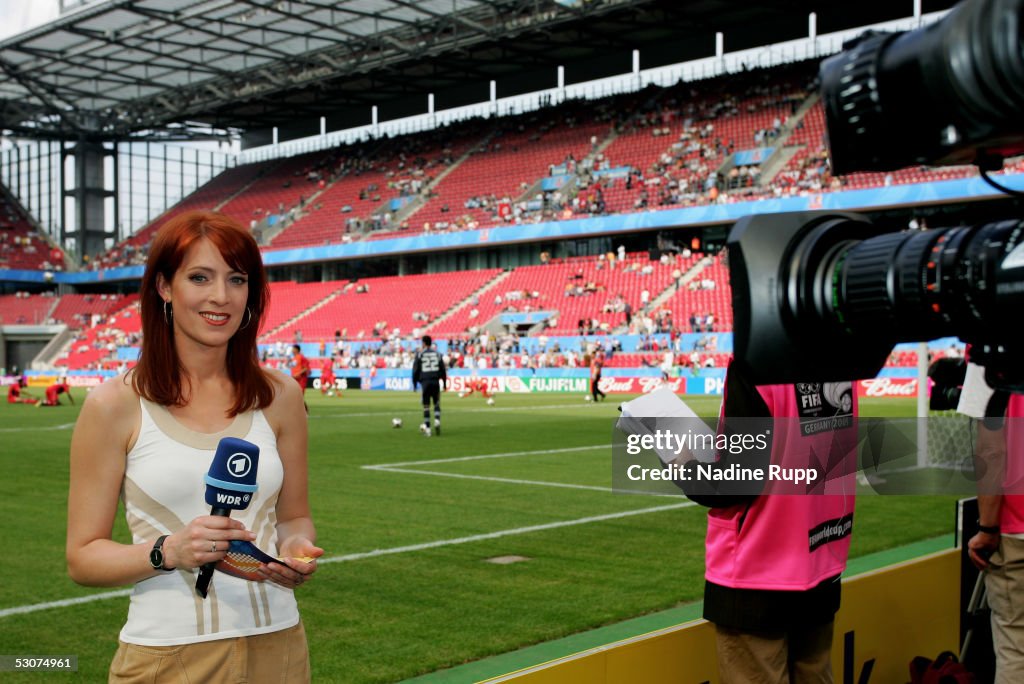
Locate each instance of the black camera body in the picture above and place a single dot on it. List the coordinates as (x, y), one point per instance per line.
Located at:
(821, 296)
(783, 329)
(949, 93)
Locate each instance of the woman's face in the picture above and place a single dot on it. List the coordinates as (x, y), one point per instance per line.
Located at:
(207, 296)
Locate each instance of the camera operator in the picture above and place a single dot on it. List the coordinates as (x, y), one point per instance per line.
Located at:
(998, 547)
(773, 561)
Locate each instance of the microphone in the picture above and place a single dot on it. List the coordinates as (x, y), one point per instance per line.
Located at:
(230, 484)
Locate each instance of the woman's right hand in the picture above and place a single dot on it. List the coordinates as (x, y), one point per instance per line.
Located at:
(204, 540)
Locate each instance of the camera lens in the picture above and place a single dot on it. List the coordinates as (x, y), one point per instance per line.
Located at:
(947, 93)
(923, 285)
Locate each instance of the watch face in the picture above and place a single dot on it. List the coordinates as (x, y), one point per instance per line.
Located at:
(156, 554)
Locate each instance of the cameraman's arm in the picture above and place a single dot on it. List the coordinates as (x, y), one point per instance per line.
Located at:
(988, 408)
(743, 411)
(990, 467)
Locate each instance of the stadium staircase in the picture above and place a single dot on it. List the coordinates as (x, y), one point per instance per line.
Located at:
(783, 150)
(571, 187)
(78, 349)
(455, 308)
(421, 199)
(215, 194)
(666, 294)
(268, 233)
(54, 349)
(717, 300)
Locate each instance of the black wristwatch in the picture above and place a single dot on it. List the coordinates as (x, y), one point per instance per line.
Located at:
(988, 529)
(156, 554)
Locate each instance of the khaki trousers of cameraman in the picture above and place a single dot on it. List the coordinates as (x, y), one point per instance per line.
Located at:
(799, 656)
(279, 657)
(1004, 586)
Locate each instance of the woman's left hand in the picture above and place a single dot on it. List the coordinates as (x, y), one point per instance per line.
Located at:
(293, 570)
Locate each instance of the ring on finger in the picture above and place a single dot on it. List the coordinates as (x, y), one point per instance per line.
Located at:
(213, 547)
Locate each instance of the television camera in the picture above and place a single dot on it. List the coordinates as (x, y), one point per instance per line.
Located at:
(822, 296)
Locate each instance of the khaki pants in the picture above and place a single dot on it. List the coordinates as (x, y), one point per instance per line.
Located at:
(279, 657)
(1004, 586)
(799, 656)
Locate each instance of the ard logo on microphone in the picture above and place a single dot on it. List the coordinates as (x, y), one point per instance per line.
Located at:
(239, 464)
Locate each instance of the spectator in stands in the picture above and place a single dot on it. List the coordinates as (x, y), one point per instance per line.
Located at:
(203, 295)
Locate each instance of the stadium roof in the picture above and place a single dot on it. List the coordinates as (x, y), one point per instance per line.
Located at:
(189, 67)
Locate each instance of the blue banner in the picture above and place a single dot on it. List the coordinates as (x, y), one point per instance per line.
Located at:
(934, 192)
(753, 156)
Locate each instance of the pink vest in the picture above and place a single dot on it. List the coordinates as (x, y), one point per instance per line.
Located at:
(791, 541)
(1011, 515)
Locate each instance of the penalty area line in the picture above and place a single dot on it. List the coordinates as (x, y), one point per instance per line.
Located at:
(489, 478)
(65, 603)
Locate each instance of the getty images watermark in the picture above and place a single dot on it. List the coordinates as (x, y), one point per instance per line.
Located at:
(828, 455)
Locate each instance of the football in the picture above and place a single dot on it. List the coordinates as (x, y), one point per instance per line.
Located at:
(396, 422)
(588, 398)
(490, 402)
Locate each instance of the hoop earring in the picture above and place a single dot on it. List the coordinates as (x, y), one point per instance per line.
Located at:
(244, 325)
(168, 316)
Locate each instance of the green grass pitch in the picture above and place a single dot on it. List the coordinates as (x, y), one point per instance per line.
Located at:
(405, 587)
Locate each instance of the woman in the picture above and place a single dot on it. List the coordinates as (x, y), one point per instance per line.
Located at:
(149, 436)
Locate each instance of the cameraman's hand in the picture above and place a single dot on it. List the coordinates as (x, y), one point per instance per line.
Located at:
(981, 547)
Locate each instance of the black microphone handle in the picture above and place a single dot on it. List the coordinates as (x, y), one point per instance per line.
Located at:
(206, 571)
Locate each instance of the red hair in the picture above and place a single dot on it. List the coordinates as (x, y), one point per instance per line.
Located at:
(158, 375)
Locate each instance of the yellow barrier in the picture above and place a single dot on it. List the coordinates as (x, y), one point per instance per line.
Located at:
(887, 617)
(42, 380)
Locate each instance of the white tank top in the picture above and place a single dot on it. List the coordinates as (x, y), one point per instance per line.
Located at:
(163, 491)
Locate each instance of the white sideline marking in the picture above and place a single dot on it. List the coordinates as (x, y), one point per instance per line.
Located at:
(64, 603)
(64, 426)
(449, 409)
(405, 464)
(20, 610)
